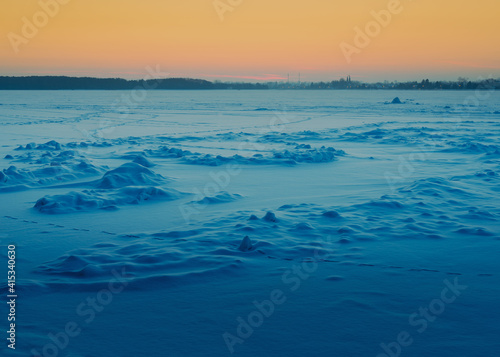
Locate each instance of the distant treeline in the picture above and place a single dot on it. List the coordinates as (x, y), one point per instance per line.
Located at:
(70, 83)
(461, 84)
(62, 82)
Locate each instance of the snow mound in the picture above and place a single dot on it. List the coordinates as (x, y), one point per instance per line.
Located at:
(129, 174)
(50, 145)
(383, 204)
(149, 261)
(89, 200)
(270, 217)
(332, 214)
(246, 244)
(141, 160)
(377, 133)
(435, 186)
(222, 197)
(471, 147)
(286, 157)
(52, 170)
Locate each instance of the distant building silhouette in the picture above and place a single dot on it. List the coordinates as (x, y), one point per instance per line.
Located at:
(70, 83)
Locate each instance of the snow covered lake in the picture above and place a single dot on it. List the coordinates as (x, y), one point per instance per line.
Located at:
(252, 223)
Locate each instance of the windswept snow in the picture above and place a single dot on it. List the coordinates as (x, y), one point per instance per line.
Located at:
(191, 210)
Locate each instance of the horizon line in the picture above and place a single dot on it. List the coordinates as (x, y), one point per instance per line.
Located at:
(283, 79)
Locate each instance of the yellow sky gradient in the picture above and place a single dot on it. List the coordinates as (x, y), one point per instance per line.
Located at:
(439, 39)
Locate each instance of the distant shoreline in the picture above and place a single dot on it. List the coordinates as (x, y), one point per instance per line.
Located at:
(90, 83)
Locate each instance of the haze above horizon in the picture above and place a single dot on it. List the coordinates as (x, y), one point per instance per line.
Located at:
(252, 40)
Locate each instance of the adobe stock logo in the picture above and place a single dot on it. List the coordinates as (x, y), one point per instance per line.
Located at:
(221, 7)
(363, 36)
(29, 29)
(423, 318)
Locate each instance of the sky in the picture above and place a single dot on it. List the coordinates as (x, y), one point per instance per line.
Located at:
(252, 40)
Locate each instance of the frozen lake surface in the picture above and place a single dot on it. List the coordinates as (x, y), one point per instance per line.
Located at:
(373, 228)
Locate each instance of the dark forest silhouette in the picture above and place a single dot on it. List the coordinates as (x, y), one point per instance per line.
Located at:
(88, 83)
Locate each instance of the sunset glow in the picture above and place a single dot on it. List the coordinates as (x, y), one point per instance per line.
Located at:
(252, 40)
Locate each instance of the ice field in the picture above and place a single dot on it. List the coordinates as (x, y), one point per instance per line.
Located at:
(252, 223)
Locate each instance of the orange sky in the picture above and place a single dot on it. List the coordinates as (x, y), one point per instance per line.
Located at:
(437, 39)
